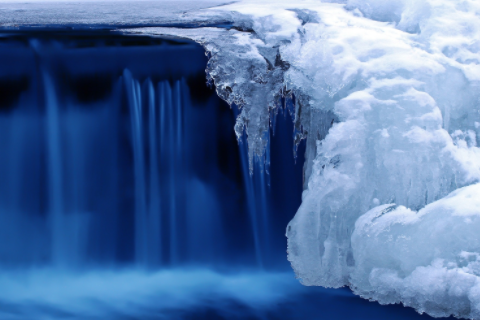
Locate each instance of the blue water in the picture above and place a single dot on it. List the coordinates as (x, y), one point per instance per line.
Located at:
(125, 195)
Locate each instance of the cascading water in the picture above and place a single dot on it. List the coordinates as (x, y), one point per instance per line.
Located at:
(122, 183)
(123, 166)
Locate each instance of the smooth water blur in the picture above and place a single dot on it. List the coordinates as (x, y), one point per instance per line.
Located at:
(179, 294)
(125, 195)
(114, 151)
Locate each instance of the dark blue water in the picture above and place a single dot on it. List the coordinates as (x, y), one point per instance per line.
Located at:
(125, 195)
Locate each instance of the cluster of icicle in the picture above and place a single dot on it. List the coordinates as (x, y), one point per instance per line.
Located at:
(387, 94)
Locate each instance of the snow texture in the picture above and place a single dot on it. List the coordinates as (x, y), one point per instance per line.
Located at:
(91, 13)
(387, 94)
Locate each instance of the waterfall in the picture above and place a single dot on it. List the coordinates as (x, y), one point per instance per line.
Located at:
(124, 192)
(118, 164)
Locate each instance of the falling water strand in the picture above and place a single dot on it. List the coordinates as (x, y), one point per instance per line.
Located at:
(172, 164)
(261, 187)
(58, 241)
(134, 101)
(154, 199)
(162, 120)
(251, 203)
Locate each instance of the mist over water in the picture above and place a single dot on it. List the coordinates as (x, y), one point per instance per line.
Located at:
(125, 195)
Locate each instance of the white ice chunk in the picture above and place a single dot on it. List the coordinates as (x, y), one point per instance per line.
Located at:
(428, 259)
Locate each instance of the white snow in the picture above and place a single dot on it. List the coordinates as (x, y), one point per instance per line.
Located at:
(388, 94)
(93, 12)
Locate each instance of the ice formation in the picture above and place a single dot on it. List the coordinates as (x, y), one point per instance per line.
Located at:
(387, 95)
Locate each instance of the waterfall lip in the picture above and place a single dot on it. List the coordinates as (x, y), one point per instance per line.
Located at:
(108, 30)
(66, 33)
(223, 24)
